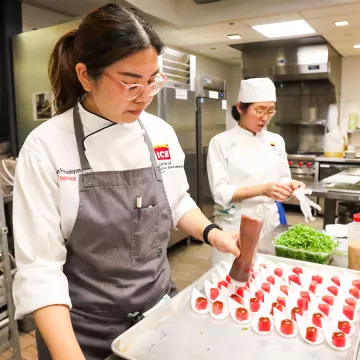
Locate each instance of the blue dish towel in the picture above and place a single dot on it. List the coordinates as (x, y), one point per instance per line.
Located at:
(282, 214)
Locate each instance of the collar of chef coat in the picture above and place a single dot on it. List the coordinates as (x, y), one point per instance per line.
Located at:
(92, 122)
(242, 131)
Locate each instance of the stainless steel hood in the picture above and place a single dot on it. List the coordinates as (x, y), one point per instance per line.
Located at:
(307, 76)
(308, 58)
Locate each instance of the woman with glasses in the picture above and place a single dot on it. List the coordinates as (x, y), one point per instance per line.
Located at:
(98, 189)
(247, 165)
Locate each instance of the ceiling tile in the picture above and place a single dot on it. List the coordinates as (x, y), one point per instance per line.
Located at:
(345, 36)
(354, 52)
(332, 11)
(211, 48)
(228, 55)
(344, 45)
(223, 27)
(166, 31)
(272, 19)
(328, 23)
(234, 61)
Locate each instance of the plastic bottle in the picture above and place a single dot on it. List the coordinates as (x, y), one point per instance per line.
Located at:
(334, 144)
(250, 229)
(354, 242)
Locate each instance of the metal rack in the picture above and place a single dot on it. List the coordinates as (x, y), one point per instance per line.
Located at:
(9, 334)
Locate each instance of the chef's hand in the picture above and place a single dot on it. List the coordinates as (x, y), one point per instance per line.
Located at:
(277, 191)
(294, 184)
(225, 241)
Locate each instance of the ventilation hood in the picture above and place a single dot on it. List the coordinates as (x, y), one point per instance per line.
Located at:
(307, 58)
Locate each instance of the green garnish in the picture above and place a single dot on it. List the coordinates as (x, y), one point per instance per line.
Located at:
(304, 238)
(244, 329)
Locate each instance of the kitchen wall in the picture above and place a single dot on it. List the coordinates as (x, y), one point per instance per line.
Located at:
(231, 73)
(36, 18)
(350, 90)
(233, 92)
(31, 52)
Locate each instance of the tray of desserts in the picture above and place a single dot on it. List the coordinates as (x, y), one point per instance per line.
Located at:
(288, 308)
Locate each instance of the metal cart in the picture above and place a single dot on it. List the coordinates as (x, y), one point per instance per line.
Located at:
(9, 334)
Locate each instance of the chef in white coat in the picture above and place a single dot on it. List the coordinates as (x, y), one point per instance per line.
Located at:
(247, 165)
(98, 189)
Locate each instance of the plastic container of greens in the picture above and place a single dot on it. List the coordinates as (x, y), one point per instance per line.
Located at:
(304, 255)
(302, 242)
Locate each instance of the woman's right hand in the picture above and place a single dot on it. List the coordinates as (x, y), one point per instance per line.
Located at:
(277, 191)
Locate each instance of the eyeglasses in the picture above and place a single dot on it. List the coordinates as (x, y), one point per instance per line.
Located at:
(261, 113)
(133, 91)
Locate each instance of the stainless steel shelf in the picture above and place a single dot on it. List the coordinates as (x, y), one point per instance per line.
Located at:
(3, 300)
(5, 346)
(9, 334)
(176, 69)
(176, 62)
(4, 315)
(176, 76)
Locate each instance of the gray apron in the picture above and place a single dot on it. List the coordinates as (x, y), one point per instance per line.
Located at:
(116, 254)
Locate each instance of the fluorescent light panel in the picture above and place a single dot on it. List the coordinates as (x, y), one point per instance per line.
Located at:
(285, 29)
(341, 23)
(357, 46)
(234, 36)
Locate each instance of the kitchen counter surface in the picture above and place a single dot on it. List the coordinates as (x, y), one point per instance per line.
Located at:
(331, 198)
(318, 189)
(337, 160)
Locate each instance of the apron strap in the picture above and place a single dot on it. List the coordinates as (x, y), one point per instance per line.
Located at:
(152, 152)
(80, 136)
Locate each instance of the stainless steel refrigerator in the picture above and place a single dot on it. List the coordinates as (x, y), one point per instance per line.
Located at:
(181, 115)
(210, 120)
(176, 104)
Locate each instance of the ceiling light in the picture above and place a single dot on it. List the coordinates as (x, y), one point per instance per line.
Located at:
(234, 36)
(284, 29)
(357, 46)
(341, 23)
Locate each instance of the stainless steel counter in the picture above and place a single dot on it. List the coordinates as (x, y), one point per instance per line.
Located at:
(331, 197)
(318, 189)
(337, 160)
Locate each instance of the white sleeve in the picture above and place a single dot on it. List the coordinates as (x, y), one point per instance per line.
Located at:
(184, 202)
(285, 174)
(221, 188)
(39, 245)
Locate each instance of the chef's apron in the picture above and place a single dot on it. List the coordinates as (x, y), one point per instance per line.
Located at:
(117, 253)
(266, 164)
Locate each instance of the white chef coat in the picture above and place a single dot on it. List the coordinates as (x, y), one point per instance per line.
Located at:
(46, 198)
(237, 158)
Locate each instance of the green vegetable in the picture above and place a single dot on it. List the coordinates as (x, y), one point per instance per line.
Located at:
(304, 243)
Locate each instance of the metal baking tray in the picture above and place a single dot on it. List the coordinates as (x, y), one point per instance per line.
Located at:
(175, 332)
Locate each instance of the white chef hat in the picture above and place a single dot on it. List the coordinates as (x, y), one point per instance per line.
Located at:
(257, 90)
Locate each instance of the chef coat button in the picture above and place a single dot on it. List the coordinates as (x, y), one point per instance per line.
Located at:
(159, 252)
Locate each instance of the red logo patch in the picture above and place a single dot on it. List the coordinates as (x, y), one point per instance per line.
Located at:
(162, 152)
